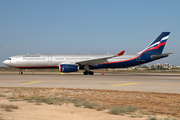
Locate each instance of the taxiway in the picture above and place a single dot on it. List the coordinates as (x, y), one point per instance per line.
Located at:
(146, 82)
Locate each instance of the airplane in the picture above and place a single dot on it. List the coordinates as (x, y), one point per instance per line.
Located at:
(73, 63)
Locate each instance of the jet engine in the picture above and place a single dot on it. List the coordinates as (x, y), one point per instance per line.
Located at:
(68, 68)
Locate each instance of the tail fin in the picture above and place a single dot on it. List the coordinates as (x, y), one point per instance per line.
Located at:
(157, 46)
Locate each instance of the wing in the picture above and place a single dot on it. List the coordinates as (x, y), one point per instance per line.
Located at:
(98, 60)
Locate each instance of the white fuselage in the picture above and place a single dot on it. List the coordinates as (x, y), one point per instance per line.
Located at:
(55, 60)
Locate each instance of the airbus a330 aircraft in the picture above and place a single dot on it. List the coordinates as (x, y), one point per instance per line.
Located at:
(73, 63)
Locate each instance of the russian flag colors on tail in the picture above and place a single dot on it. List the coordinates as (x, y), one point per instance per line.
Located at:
(157, 46)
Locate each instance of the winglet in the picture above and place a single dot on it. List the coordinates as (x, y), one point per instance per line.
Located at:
(121, 53)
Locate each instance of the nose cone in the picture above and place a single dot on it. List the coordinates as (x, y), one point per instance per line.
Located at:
(5, 62)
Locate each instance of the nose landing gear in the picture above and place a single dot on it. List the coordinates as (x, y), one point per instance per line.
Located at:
(20, 72)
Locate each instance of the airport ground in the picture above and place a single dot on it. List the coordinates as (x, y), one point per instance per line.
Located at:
(151, 93)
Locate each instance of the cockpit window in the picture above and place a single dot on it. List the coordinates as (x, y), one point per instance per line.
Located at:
(9, 58)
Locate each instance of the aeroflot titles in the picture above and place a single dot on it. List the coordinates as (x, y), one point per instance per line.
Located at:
(31, 55)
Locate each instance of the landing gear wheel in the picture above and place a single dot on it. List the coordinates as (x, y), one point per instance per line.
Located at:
(85, 72)
(20, 73)
(91, 73)
(88, 73)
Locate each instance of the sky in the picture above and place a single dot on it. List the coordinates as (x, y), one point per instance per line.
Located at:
(87, 27)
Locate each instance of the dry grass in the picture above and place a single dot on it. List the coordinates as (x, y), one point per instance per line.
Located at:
(147, 103)
(156, 118)
(1, 95)
(8, 107)
(122, 110)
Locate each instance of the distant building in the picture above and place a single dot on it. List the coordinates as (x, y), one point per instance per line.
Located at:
(157, 66)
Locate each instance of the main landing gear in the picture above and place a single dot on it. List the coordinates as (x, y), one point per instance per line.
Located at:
(20, 72)
(87, 72)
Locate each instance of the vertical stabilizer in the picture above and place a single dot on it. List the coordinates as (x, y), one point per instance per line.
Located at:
(157, 46)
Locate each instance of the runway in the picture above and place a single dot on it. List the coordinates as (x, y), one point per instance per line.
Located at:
(146, 82)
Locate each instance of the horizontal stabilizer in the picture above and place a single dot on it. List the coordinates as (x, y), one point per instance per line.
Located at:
(154, 57)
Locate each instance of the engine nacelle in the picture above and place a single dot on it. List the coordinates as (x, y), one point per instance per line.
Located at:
(68, 68)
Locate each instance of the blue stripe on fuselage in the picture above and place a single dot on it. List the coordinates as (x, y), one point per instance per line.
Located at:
(141, 59)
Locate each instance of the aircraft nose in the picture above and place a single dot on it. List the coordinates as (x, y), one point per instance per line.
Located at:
(5, 62)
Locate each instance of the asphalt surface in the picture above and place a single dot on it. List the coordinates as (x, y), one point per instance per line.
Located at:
(146, 82)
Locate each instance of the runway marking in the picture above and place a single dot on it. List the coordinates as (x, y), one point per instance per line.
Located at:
(32, 82)
(125, 84)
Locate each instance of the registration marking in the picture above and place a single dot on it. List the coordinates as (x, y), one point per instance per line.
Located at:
(126, 84)
(32, 82)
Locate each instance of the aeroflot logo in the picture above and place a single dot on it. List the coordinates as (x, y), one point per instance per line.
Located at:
(31, 55)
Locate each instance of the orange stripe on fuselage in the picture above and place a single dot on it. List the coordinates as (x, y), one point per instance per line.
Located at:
(156, 47)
